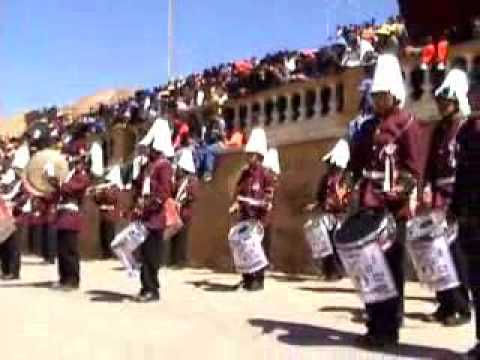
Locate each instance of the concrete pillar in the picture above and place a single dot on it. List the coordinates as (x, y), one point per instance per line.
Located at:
(333, 99)
(318, 103)
(289, 108)
(261, 112)
(302, 109)
(275, 112)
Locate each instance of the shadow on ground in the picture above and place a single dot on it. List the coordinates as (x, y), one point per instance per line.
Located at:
(307, 335)
(208, 285)
(38, 284)
(358, 315)
(109, 296)
(353, 291)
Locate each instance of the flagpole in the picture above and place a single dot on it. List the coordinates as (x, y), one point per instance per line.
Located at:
(170, 39)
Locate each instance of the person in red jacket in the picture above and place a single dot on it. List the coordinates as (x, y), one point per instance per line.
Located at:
(253, 198)
(388, 161)
(69, 220)
(186, 190)
(156, 188)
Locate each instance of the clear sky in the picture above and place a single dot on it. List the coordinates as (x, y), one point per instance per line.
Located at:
(54, 51)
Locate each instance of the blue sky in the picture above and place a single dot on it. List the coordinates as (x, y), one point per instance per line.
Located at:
(54, 51)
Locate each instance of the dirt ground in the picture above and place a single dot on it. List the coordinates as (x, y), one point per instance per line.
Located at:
(201, 317)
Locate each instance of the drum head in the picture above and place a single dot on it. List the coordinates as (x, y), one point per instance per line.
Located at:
(359, 226)
(34, 172)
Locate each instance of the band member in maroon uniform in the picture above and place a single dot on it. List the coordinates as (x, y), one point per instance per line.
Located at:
(253, 196)
(440, 179)
(466, 191)
(13, 198)
(332, 200)
(157, 187)
(388, 156)
(186, 189)
(68, 218)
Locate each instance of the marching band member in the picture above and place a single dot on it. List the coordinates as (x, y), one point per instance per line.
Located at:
(68, 219)
(453, 306)
(332, 200)
(106, 196)
(466, 195)
(156, 188)
(186, 189)
(12, 199)
(253, 197)
(388, 156)
(272, 164)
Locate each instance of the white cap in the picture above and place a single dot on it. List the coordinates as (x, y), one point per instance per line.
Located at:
(186, 161)
(21, 157)
(388, 77)
(257, 143)
(456, 86)
(96, 155)
(114, 176)
(160, 137)
(272, 161)
(162, 141)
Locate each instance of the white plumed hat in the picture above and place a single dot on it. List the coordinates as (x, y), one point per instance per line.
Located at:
(272, 161)
(388, 77)
(186, 161)
(455, 87)
(257, 143)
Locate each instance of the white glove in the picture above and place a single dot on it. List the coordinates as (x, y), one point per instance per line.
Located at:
(339, 155)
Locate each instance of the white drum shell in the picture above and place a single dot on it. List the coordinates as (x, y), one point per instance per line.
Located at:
(245, 240)
(318, 232)
(368, 269)
(431, 255)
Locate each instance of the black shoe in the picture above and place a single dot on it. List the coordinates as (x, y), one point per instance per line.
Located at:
(473, 353)
(66, 287)
(369, 341)
(9, 277)
(437, 316)
(457, 319)
(255, 285)
(147, 297)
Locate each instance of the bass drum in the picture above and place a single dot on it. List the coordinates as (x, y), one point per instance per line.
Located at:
(34, 175)
(361, 242)
(428, 240)
(245, 240)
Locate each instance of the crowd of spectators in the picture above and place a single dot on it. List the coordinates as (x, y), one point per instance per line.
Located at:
(210, 131)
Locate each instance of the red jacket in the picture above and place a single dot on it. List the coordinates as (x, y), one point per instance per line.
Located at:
(71, 194)
(255, 183)
(328, 195)
(160, 173)
(190, 195)
(409, 147)
(441, 169)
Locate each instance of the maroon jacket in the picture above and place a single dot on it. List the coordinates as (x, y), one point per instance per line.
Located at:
(442, 164)
(256, 183)
(328, 196)
(187, 201)
(160, 173)
(406, 139)
(72, 192)
(107, 201)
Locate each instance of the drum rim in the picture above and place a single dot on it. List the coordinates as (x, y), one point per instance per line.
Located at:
(370, 238)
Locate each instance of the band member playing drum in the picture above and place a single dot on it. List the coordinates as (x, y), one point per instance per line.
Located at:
(12, 199)
(156, 188)
(465, 203)
(388, 156)
(253, 200)
(186, 189)
(68, 218)
(440, 179)
(332, 201)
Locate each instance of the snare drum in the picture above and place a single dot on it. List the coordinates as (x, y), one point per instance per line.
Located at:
(428, 243)
(318, 233)
(245, 240)
(361, 242)
(126, 242)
